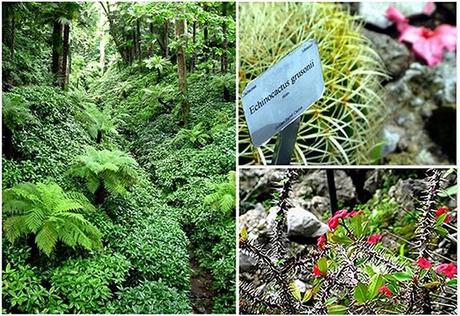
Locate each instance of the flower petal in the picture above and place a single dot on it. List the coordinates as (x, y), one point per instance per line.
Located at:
(429, 8)
(448, 36)
(430, 50)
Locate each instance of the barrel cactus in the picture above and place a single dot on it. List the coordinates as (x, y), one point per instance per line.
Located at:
(343, 127)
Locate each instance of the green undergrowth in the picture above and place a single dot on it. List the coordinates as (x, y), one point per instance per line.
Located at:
(143, 264)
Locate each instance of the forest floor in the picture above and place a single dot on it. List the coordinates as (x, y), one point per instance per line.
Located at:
(201, 294)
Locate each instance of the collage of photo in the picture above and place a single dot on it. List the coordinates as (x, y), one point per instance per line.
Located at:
(229, 157)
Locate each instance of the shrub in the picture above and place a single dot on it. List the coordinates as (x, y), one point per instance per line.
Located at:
(158, 250)
(343, 126)
(151, 297)
(87, 284)
(49, 213)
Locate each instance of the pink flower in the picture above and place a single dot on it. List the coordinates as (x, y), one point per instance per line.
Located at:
(316, 271)
(426, 44)
(333, 222)
(448, 269)
(373, 239)
(423, 263)
(341, 213)
(355, 213)
(385, 291)
(429, 8)
(441, 211)
(321, 242)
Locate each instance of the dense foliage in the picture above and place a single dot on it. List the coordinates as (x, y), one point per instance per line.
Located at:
(114, 171)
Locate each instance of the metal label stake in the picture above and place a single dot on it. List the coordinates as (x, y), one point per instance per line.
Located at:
(285, 143)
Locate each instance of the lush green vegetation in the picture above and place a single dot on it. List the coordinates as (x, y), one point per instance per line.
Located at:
(118, 151)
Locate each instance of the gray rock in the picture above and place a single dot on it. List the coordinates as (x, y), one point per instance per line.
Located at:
(318, 205)
(374, 12)
(391, 137)
(255, 220)
(394, 54)
(302, 223)
(446, 77)
(404, 191)
(247, 263)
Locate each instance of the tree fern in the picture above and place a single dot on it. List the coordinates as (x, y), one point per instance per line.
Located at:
(106, 170)
(224, 196)
(49, 213)
(196, 135)
(98, 123)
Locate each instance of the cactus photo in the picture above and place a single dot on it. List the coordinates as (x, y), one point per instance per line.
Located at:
(389, 72)
(352, 241)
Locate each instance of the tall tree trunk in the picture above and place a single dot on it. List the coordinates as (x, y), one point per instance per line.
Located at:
(152, 32)
(102, 43)
(224, 59)
(57, 50)
(64, 75)
(9, 25)
(7, 142)
(193, 62)
(138, 39)
(122, 50)
(181, 71)
(100, 194)
(165, 39)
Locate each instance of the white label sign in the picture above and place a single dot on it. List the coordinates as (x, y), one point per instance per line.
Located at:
(283, 92)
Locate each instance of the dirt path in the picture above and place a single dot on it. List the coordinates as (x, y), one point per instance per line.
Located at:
(201, 296)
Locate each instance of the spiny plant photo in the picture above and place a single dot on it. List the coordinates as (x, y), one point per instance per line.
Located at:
(390, 80)
(118, 157)
(353, 241)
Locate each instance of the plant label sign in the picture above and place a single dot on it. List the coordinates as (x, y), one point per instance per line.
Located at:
(283, 92)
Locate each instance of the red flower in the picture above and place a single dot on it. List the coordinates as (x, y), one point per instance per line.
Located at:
(341, 213)
(423, 263)
(354, 213)
(448, 269)
(441, 211)
(373, 239)
(321, 242)
(426, 44)
(316, 271)
(385, 291)
(333, 222)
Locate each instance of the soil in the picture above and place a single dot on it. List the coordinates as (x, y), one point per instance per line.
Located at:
(201, 296)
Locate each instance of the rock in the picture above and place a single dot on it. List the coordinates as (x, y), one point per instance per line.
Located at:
(300, 285)
(302, 223)
(247, 263)
(318, 205)
(373, 181)
(255, 220)
(446, 76)
(404, 191)
(394, 54)
(391, 137)
(374, 12)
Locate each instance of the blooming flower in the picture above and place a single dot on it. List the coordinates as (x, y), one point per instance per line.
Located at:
(423, 263)
(321, 242)
(341, 213)
(385, 291)
(448, 269)
(316, 271)
(373, 239)
(354, 213)
(333, 222)
(426, 44)
(441, 211)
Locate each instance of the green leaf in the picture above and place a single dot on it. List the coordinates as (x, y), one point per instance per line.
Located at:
(374, 285)
(452, 283)
(322, 265)
(361, 293)
(441, 219)
(345, 240)
(423, 273)
(431, 285)
(442, 231)
(337, 309)
(401, 250)
(450, 191)
(295, 291)
(402, 276)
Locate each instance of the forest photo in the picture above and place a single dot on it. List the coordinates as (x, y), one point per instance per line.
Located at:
(118, 157)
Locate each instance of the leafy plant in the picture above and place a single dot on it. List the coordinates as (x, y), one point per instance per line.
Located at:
(15, 111)
(344, 125)
(196, 135)
(105, 170)
(98, 123)
(150, 297)
(49, 213)
(224, 196)
(157, 63)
